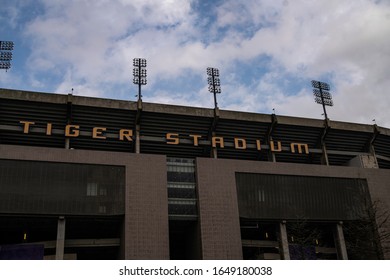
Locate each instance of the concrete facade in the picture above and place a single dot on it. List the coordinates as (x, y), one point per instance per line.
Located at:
(334, 149)
(218, 210)
(146, 210)
(146, 233)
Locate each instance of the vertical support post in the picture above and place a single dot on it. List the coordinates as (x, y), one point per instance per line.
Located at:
(137, 139)
(271, 128)
(214, 151)
(68, 117)
(271, 156)
(323, 103)
(283, 246)
(137, 147)
(67, 143)
(340, 242)
(322, 143)
(214, 90)
(325, 159)
(371, 147)
(139, 84)
(60, 244)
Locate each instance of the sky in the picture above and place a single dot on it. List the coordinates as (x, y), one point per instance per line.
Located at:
(267, 52)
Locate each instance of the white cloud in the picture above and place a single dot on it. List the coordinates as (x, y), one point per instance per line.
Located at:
(344, 39)
(89, 45)
(88, 36)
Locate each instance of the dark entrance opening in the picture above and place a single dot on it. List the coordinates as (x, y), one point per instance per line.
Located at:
(184, 241)
(86, 237)
(259, 240)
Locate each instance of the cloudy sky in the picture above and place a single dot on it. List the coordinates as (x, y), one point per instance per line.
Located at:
(267, 52)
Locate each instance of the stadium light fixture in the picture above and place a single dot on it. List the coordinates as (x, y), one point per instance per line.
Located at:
(6, 48)
(322, 95)
(139, 73)
(214, 83)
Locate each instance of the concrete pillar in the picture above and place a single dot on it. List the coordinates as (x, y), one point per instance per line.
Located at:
(137, 139)
(68, 116)
(214, 151)
(283, 246)
(67, 143)
(271, 156)
(324, 159)
(340, 242)
(60, 244)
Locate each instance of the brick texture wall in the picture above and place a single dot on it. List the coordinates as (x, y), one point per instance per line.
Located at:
(218, 209)
(145, 230)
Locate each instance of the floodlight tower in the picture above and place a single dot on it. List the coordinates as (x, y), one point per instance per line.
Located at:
(322, 95)
(139, 73)
(214, 83)
(6, 48)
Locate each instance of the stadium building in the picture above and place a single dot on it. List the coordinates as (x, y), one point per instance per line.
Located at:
(90, 178)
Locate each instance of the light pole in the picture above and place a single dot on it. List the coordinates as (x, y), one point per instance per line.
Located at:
(214, 83)
(139, 73)
(6, 48)
(322, 95)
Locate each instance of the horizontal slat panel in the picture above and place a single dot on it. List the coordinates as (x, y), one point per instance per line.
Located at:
(263, 196)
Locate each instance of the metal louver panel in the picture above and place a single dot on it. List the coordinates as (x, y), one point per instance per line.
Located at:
(262, 196)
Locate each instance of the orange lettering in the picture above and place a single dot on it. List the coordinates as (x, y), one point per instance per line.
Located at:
(97, 132)
(195, 137)
(240, 143)
(126, 133)
(26, 126)
(279, 149)
(72, 130)
(217, 140)
(172, 138)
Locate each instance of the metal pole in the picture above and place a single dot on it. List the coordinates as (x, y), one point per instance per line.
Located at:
(139, 78)
(214, 91)
(323, 103)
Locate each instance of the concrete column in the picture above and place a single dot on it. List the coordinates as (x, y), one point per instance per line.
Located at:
(137, 139)
(271, 156)
(137, 124)
(60, 238)
(68, 116)
(340, 242)
(324, 159)
(214, 151)
(283, 246)
(67, 143)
